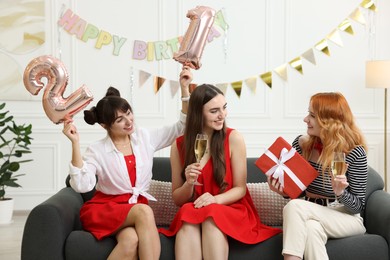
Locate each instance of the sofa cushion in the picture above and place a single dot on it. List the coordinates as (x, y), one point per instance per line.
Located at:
(268, 204)
(81, 244)
(164, 208)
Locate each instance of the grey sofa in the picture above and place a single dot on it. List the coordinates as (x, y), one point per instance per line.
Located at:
(53, 229)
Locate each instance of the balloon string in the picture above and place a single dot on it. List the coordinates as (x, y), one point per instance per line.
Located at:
(226, 38)
(371, 29)
(131, 84)
(61, 13)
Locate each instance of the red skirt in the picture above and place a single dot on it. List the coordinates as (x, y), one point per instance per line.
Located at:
(234, 220)
(104, 214)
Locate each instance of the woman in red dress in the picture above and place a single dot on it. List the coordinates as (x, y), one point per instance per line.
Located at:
(210, 212)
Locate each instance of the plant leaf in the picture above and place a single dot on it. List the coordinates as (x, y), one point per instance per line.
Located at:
(11, 183)
(14, 166)
(14, 143)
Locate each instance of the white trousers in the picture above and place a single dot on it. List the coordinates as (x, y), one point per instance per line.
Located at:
(307, 227)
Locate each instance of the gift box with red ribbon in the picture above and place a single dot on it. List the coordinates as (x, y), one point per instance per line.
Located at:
(283, 162)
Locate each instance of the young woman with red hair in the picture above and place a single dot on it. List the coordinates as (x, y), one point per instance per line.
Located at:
(307, 224)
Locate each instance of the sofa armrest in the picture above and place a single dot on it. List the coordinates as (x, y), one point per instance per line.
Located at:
(377, 214)
(49, 224)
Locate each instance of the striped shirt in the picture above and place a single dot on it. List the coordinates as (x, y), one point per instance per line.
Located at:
(353, 196)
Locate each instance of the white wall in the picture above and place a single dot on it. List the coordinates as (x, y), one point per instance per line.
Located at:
(262, 36)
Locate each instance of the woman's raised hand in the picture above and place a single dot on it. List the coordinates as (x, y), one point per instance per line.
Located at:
(70, 131)
(185, 79)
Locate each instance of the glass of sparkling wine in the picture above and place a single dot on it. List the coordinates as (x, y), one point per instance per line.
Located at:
(200, 149)
(338, 168)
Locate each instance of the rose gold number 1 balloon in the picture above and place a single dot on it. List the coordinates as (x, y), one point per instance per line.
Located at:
(192, 45)
(57, 107)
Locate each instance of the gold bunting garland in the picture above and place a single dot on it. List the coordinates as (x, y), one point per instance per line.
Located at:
(346, 26)
(143, 77)
(309, 56)
(223, 87)
(322, 46)
(192, 87)
(267, 78)
(358, 16)
(368, 4)
(297, 64)
(158, 82)
(174, 87)
(282, 71)
(334, 36)
(251, 83)
(237, 86)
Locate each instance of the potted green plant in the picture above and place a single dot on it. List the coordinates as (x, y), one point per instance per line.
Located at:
(14, 143)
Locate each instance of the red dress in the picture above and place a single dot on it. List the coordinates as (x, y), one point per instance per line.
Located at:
(103, 214)
(238, 220)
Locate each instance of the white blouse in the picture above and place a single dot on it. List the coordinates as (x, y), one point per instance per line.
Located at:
(104, 160)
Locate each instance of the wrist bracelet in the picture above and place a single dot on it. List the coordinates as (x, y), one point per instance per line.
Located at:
(185, 99)
(339, 196)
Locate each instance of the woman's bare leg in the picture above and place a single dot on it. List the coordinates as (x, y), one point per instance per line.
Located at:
(141, 217)
(214, 242)
(188, 244)
(127, 245)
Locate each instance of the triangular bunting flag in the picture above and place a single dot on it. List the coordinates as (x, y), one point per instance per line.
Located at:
(358, 16)
(282, 71)
(192, 87)
(267, 78)
(368, 4)
(158, 82)
(237, 87)
(297, 64)
(323, 47)
(309, 56)
(174, 87)
(143, 77)
(334, 36)
(222, 87)
(346, 26)
(251, 84)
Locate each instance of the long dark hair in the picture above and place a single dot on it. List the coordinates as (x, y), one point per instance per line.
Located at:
(105, 112)
(194, 125)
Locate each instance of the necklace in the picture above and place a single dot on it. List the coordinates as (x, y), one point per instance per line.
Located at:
(122, 145)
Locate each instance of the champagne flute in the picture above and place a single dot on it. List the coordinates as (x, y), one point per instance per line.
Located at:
(338, 168)
(200, 149)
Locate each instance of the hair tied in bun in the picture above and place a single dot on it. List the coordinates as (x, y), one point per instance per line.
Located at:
(90, 116)
(111, 91)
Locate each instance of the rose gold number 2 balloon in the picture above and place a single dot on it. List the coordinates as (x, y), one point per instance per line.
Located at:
(57, 108)
(192, 45)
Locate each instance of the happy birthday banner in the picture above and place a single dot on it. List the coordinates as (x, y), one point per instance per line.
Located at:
(159, 50)
(142, 50)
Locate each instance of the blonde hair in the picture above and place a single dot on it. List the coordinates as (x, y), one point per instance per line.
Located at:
(338, 133)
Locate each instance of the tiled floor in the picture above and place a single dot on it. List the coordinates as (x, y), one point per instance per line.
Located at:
(11, 237)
